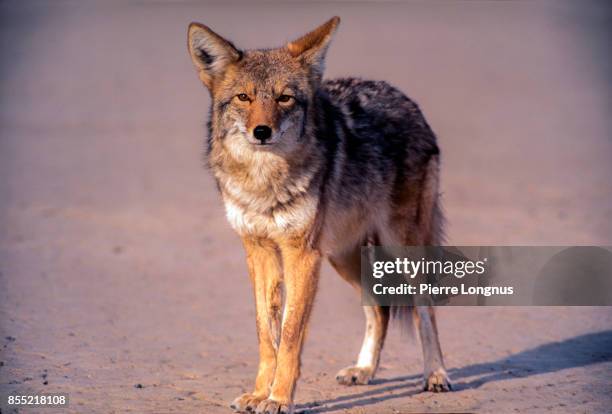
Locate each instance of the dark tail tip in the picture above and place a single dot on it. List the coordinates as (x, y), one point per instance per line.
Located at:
(403, 315)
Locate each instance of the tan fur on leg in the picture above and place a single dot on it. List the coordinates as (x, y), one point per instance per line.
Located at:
(301, 266)
(265, 272)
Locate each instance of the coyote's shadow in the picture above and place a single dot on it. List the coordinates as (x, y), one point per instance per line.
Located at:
(579, 351)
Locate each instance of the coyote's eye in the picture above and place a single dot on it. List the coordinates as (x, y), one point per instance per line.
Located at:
(284, 99)
(243, 97)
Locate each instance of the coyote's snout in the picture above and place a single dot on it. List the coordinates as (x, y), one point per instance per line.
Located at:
(311, 169)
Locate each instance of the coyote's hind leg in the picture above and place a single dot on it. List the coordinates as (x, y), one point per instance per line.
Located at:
(377, 320)
(417, 220)
(436, 378)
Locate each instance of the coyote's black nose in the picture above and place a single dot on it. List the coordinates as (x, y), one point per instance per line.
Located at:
(262, 132)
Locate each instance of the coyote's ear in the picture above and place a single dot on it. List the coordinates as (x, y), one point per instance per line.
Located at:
(210, 52)
(312, 46)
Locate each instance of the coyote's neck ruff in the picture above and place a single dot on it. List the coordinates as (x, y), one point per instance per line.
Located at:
(268, 194)
(310, 169)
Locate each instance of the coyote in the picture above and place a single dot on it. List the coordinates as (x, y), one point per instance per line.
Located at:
(310, 169)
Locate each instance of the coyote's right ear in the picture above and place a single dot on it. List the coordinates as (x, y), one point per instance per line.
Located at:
(210, 52)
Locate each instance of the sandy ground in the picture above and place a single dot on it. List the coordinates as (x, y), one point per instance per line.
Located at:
(122, 285)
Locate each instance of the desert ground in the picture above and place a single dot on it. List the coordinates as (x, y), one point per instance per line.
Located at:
(122, 285)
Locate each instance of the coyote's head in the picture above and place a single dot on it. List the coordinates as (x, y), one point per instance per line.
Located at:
(260, 98)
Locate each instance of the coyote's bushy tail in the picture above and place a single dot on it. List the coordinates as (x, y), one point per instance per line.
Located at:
(403, 315)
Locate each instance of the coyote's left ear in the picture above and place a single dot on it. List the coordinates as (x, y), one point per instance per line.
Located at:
(210, 53)
(312, 46)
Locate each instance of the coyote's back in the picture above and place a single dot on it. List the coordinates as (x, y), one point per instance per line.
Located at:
(385, 159)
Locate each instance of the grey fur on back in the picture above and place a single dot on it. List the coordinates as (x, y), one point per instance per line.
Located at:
(377, 143)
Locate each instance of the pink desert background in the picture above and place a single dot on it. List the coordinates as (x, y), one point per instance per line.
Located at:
(122, 284)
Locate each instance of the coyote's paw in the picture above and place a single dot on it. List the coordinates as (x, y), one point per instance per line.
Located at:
(246, 403)
(438, 381)
(274, 407)
(355, 375)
